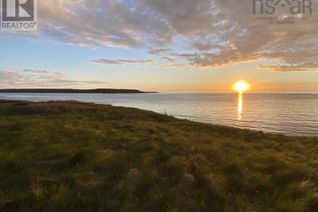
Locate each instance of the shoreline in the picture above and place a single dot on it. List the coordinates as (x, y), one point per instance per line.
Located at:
(174, 116)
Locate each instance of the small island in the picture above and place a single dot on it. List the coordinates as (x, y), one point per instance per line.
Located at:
(96, 91)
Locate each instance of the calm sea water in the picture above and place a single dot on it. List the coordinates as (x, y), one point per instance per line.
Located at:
(292, 114)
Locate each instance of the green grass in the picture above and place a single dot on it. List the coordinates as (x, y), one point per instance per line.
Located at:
(68, 156)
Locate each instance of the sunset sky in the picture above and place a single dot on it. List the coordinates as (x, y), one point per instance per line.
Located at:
(160, 45)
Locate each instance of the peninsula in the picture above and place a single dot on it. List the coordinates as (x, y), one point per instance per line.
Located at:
(99, 90)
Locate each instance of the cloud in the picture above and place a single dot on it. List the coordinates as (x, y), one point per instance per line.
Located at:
(101, 22)
(211, 33)
(287, 68)
(169, 59)
(41, 79)
(158, 51)
(121, 62)
(36, 71)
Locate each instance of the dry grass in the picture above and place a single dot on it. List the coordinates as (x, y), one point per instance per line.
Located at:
(68, 156)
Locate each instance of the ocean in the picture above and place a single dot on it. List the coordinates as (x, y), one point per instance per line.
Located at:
(290, 114)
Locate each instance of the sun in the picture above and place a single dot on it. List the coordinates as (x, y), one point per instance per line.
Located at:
(241, 86)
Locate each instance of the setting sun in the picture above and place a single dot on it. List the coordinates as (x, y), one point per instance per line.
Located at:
(241, 86)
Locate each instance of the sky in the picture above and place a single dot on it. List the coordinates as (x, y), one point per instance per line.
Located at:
(162, 45)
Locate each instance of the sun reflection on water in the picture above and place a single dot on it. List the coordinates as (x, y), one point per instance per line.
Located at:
(240, 106)
(240, 87)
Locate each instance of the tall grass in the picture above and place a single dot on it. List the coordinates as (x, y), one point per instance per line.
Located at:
(68, 156)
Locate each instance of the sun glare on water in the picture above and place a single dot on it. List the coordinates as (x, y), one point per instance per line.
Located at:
(241, 86)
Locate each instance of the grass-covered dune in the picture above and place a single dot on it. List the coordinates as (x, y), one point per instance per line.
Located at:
(68, 156)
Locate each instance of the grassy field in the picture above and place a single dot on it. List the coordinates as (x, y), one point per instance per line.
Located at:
(67, 156)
